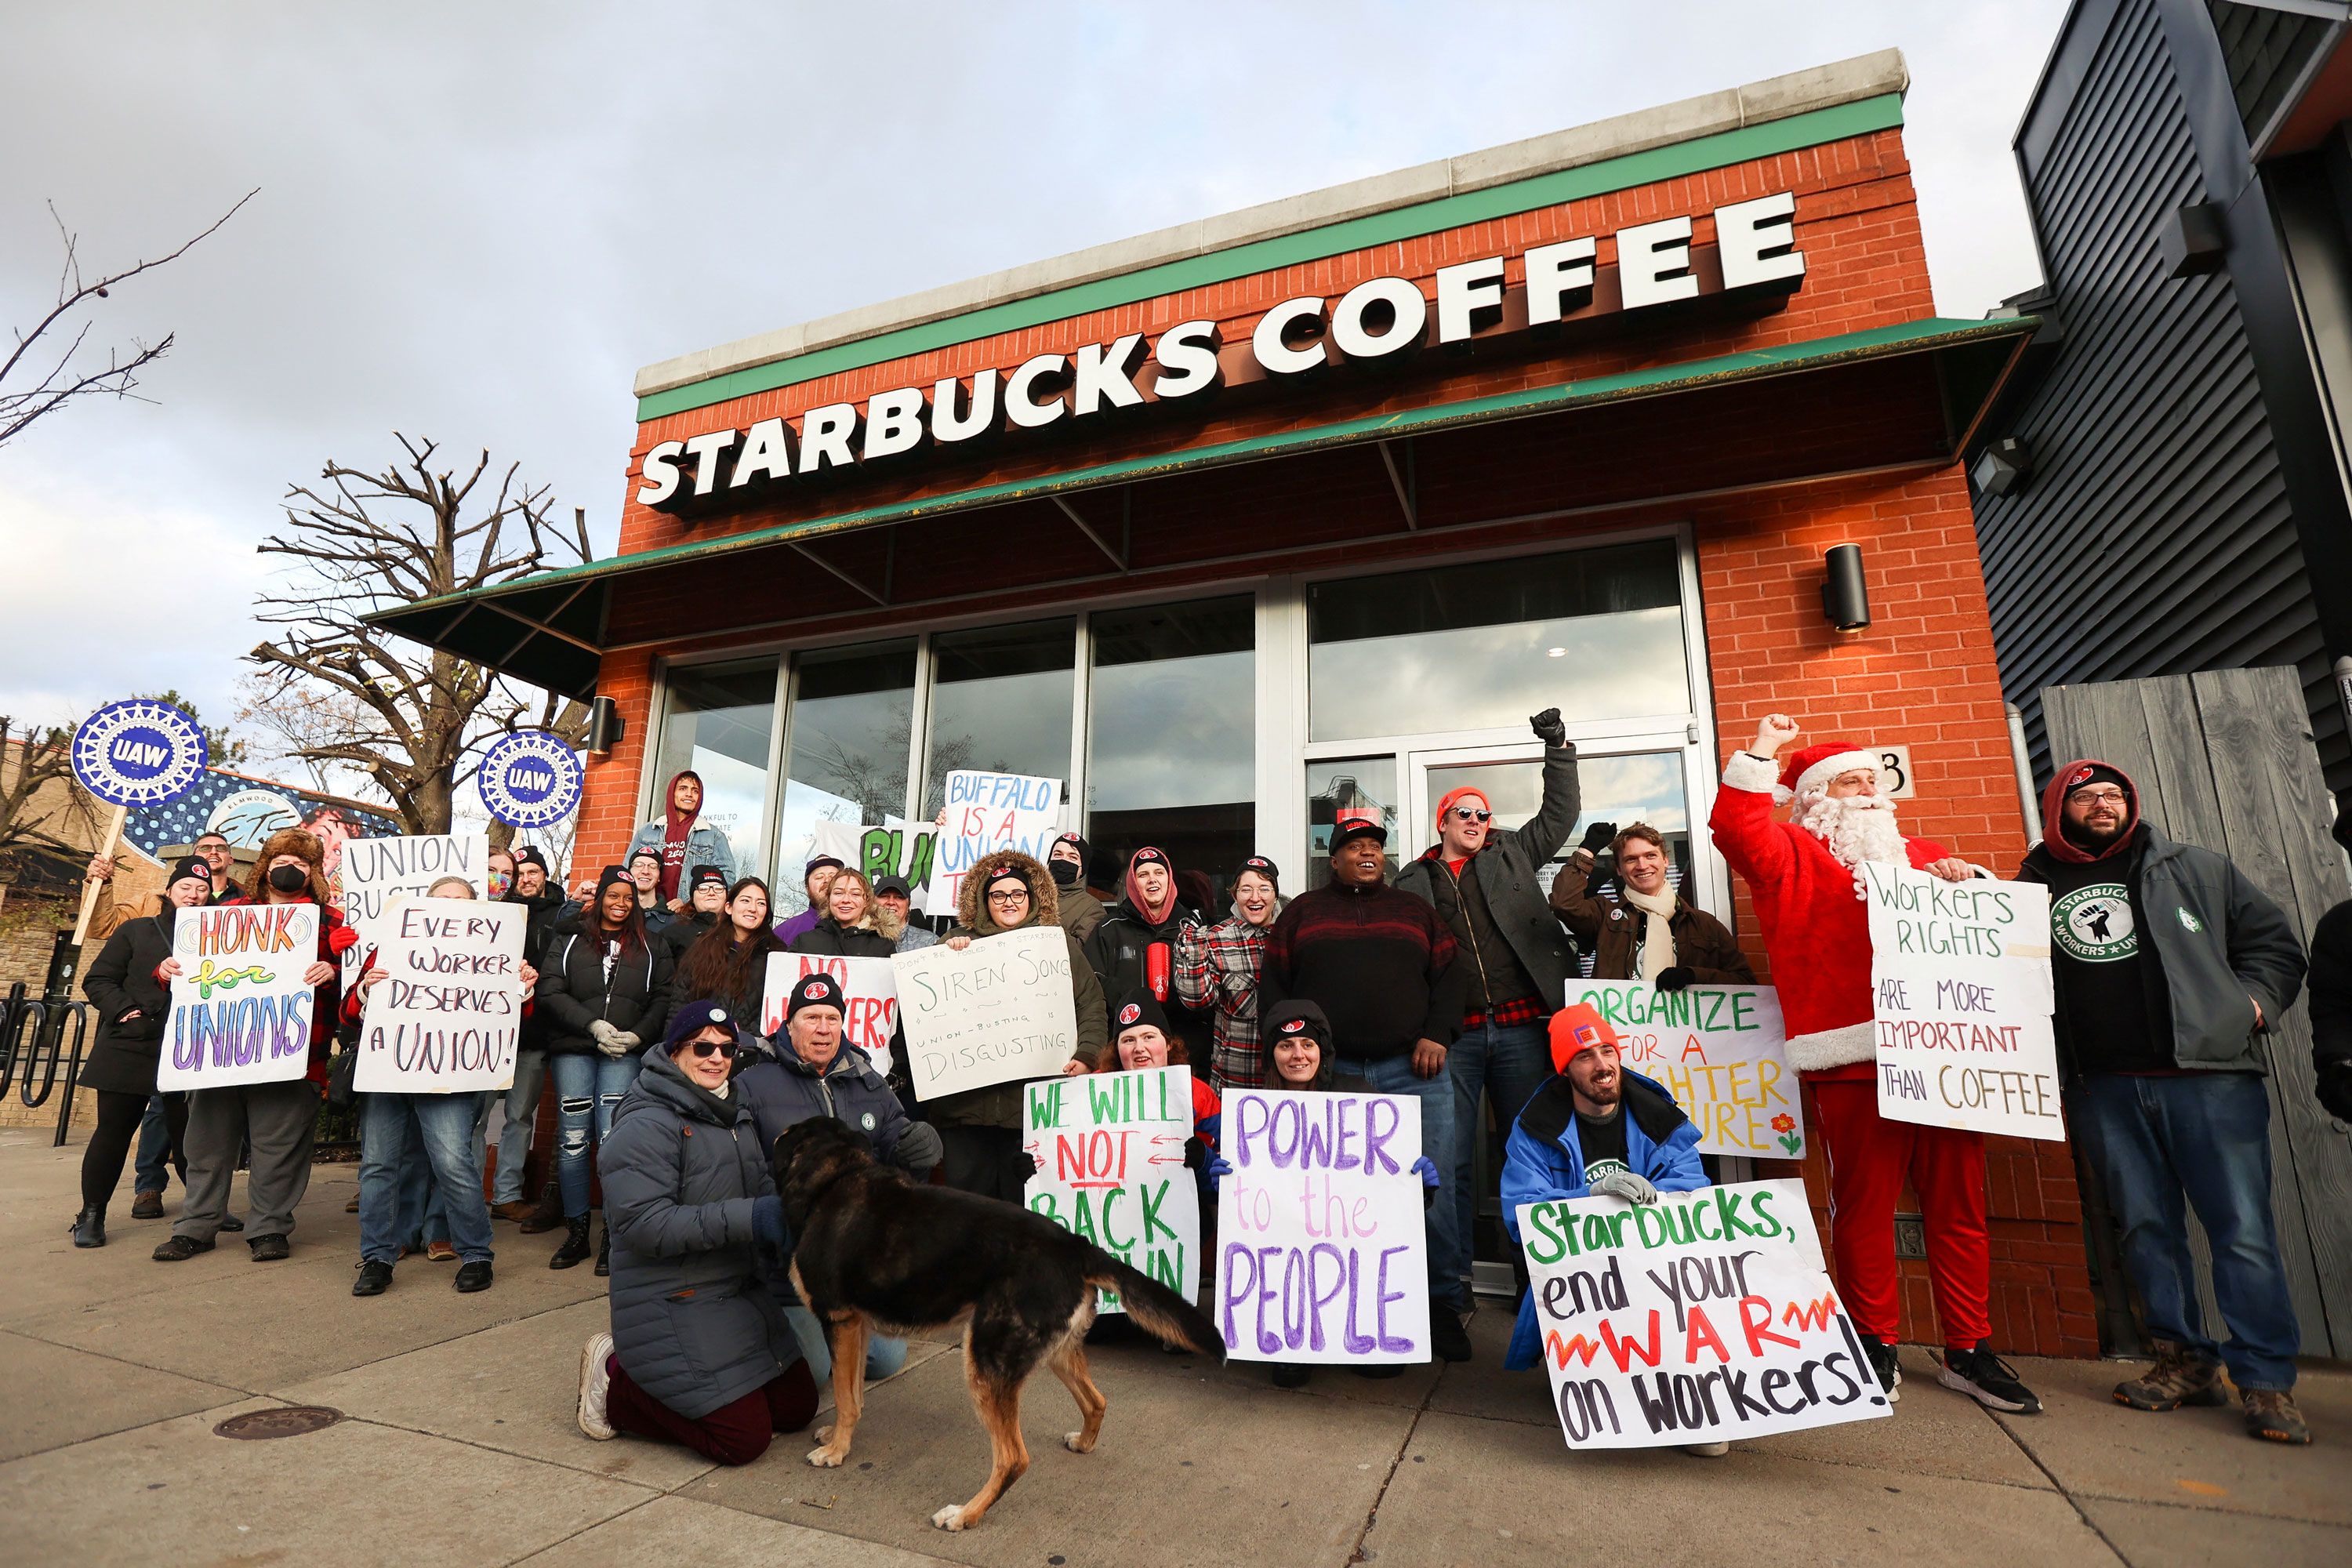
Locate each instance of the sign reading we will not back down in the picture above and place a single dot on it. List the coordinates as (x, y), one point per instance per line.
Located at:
(1109, 1148)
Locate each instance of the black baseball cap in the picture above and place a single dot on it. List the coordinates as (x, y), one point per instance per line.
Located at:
(897, 885)
(1356, 825)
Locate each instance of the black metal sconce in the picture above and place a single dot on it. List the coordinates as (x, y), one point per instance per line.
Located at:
(604, 726)
(2002, 466)
(1845, 600)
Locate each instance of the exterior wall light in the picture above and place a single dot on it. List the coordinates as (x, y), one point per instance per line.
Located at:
(2002, 467)
(1845, 601)
(604, 726)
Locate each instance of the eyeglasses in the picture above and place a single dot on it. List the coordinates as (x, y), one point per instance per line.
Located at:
(1464, 814)
(2097, 797)
(705, 1048)
(1009, 895)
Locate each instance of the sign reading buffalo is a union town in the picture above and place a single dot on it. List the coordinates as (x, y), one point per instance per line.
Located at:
(1378, 319)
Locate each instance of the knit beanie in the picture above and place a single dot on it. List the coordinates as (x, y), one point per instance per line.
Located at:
(1137, 1010)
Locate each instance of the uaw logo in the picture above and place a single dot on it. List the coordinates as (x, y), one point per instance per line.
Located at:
(139, 752)
(1128, 1015)
(529, 779)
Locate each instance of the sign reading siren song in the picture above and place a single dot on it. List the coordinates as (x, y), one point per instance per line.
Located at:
(1109, 1148)
(139, 752)
(998, 1012)
(1321, 1255)
(529, 779)
(1704, 1317)
(1960, 974)
(446, 1014)
(241, 1007)
(1721, 1053)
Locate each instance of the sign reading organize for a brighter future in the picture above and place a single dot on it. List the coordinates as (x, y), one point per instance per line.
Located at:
(1705, 1316)
(139, 752)
(1109, 1148)
(1960, 974)
(1721, 1052)
(447, 1016)
(997, 1012)
(241, 1007)
(529, 779)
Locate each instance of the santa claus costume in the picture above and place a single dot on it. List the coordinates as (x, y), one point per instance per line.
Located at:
(1805, 877)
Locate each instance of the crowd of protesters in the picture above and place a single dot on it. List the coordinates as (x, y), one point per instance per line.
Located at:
(1451, 979)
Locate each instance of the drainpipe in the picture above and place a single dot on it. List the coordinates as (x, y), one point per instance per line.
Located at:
(2021, 760)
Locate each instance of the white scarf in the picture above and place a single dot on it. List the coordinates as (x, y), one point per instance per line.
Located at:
(1657, 936)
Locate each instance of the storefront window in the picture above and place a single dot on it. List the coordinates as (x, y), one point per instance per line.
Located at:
(1348, 784)
(1597, 633)
(1172, 756)
(853, 712)
(718, 722)
(1641, 786)
(1001, 701)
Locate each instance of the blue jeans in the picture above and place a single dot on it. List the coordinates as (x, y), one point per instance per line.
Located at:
(444, 1126)
(151, 1169)
(434, 1223)
(521, 1108)
(1448, 1260)
(1506, 1065)
(884, 1354)
(588, 1086)
(2205, 1136)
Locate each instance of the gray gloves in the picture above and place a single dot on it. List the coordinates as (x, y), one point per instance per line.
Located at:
(1624, 1184)
(612, 1041)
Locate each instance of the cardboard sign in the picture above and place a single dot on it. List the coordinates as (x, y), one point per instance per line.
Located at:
(1960, 974)
(1704, 1316)
(998, 1012)
(896, 848)
(1721, 1053)
(869, 990)
(1110, 1167)
(1321, 1255)
(376, 869)
(241, 1007)
(992, 812)
(446, 1014)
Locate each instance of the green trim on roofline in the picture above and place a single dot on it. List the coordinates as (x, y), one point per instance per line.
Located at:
(1713, 152)
(1879, 342)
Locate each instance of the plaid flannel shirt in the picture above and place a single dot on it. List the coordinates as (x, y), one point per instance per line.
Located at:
(1219, 966)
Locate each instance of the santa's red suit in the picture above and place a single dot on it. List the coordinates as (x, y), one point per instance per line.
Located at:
(1817, 934)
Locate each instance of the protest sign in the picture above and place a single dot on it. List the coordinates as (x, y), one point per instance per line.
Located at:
(529, 779)
(896, 848)
(139, 752)
(1960, 972)
(992, 812)
(1321, 1255)
(376, 869)
(1109, 1148)
(870, 992)
(997, 1012)
(446, 1016)
(241, 1007)
(1720, 1050)
(1703, 1317)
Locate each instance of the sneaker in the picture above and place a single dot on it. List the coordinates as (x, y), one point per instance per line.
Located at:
(474, 1276)
(2272, 1416)
(1989, 1379)
(1889, 1369)
(595, 1383)
(440, 1252)
(515, 1209)
(375, 1277)
(180, 1249)
(1447, 1337)
(1707, 1450)
(147, 1205)
(2176, 1379)
(231, 1223)
(352, 1207)
(269, 1249)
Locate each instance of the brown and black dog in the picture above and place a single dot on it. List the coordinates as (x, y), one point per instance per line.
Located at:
(875, 1252)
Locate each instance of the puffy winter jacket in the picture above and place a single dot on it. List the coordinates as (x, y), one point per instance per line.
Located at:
(829, 938)
(781, 1091)
(692, 1321)
(122, 979)
(1117, 953)
(574, 990)
(1000, 1104)
(1612, 929)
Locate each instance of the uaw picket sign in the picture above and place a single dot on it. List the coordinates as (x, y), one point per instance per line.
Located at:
(241, 1007)
(529, 779)
(446, 1018)
(139, 752)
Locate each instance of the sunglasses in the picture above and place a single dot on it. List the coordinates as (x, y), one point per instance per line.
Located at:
(706, 1047)
(1465, 814)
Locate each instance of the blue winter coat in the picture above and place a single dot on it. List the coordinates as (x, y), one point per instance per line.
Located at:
(1543, 1163)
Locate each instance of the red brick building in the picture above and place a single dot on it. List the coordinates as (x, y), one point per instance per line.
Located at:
(1567, 422)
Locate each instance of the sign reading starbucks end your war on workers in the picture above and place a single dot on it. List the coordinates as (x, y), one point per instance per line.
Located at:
(1721, 1053)
(1109, 1148)
(1960, 976)
(1703, 1317)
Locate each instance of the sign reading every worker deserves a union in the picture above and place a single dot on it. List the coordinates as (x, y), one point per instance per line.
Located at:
(1960, 974)
(1321, 1255)
(997, 1012)
(1109, 1148)
(241, 1007)
(1703, 1317)
(1721, 1053)
(446, 1016)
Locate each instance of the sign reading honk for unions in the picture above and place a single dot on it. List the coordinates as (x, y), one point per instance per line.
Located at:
(241, 1007)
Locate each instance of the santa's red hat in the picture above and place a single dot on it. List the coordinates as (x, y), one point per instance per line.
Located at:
(1814, 767)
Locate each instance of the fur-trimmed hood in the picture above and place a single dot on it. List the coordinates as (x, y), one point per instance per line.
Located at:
(971, 899)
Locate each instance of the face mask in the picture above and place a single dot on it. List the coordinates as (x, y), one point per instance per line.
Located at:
(500, 882)
(288, 878)
(1065, 874)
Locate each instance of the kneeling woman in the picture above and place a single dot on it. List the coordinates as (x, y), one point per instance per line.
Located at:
(699, 1354)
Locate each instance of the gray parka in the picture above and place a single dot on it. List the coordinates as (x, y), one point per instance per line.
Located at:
(692, 1323)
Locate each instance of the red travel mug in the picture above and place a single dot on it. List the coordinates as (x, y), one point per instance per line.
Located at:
(1155, 970)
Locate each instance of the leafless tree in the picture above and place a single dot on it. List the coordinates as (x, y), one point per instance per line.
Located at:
(57, 341)
(30, 762)
(336, 692)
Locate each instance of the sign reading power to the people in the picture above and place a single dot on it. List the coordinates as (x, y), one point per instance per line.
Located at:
(529, 779)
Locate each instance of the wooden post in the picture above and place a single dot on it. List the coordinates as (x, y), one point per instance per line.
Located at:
(91, 889)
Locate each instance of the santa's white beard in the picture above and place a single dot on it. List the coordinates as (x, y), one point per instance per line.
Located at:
(1857, 829)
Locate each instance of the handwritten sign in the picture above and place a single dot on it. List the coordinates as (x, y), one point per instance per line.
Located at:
(1703, 1317)
(989, 813)
(1960, 972)
(376, 869)
(896, 848)
(446, 1016)
(1720, 1051)
(241, 1007)
(1321, 1255)
(998, 1012)
(1109, 1148)
(870, 992)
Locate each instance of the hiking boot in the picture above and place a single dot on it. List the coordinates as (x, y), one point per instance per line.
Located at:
(595, 1383)
(1447, 1338)
(474, 1276)
(90, 1227)
(180, 1249)
(1888, 1369)
(269, 1249)
(547, 1213)
(1989, 1379)
(2176, 1379)
(147, 1205)
(574, 1250)
(604, 1250)
(516, 1209)
(2270, 1416)
(375, 1277)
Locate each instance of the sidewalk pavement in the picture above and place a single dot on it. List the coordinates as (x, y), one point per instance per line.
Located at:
(457, 1444)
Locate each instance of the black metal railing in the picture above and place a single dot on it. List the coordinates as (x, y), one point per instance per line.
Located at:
(39, 1037)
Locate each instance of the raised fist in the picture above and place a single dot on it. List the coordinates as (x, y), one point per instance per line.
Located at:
(1548, 729)
(1777, 731)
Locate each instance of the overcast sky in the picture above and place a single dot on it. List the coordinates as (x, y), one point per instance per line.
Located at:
(475, 222)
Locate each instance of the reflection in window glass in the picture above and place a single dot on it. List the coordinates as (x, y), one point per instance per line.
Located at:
(1000, 701)
(1349, 784)
(853, 712)
(1171, 738)
(1646, 786)
(1596, 633)
(717, 721)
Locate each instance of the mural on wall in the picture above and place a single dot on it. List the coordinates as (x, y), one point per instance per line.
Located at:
(248, 811)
